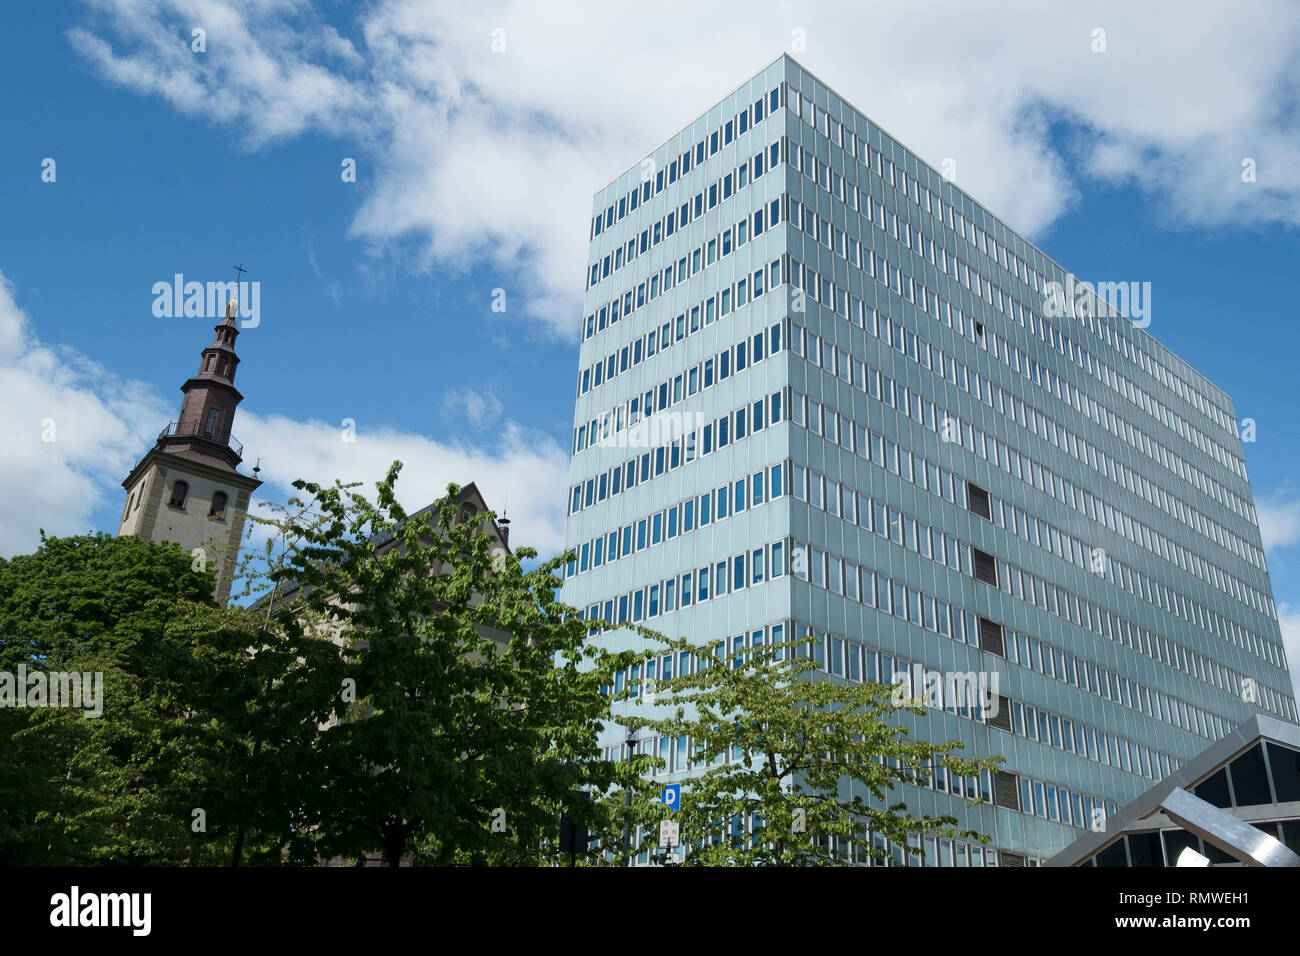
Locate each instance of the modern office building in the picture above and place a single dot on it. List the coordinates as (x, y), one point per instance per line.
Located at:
(915, 440)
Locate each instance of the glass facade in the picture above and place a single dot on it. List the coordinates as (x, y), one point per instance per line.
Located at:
(822, 392)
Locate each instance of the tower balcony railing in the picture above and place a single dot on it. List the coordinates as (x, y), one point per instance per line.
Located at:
(193, 429)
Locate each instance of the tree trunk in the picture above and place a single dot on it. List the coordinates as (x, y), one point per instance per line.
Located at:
(394, 847)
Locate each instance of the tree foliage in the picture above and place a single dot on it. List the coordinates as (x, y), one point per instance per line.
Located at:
(468, 701)
(810, 763)
(407, 689)
(77, 789)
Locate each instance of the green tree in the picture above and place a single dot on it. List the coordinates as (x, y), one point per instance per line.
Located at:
(809, 762)
(473, 701)
(204, 711)
(73, 789)
(253, 699)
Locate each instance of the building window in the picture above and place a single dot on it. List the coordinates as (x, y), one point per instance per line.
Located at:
(1005, 791)
(978, 500)
(986, 568)
(210, 424)
(180, 489)
(218, 510)
(991, 637)
(998, 716)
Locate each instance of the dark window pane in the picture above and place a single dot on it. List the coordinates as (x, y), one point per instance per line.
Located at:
(1285, 764)
(1004, 790)
(1144, 849)
(991, 637)
(1114, 855)
(1215, 790)
(1176, 841)
(1291, 834)
(1249, 779)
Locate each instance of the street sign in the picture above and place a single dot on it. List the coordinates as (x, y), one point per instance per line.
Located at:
(672, 796)
(668, 834)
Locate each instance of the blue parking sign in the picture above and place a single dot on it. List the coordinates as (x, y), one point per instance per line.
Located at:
(672, 796)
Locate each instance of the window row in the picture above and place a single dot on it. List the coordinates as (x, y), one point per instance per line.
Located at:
(843, 501)
(719, 138)
(638, 410)
(660, 339)
(905, 286)
(656, 232)
(732, 427)
(750, 568)
(840, 657)
(877, 265)
(681, 519)
(1097, 679)
(998, 254)
(1071, 736)
(1063, 805)
(871, 588)
(633, 299)
(178, 499)
(822, 353)
(632, 685)
(844, 432)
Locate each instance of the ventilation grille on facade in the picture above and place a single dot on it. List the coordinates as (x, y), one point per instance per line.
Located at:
(986, 569)
(978, 500)
(1005, 793)
(1010, 859)
(991, 638)
(1002, 719)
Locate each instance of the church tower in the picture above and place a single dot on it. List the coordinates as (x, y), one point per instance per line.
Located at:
(187, 489)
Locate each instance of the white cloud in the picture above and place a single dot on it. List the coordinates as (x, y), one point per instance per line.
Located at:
(99, 424)
(1279, 527)
(104, 424)
(1279, 519)
(524, 473)
(493, 157)
(277, 82)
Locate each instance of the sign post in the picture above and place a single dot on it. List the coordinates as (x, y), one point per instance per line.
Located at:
(670, 830)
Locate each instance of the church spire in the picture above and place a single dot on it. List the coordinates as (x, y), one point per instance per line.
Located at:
(202, 431)
(188, 489)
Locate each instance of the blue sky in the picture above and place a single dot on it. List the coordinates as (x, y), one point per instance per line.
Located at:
(475, 172)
